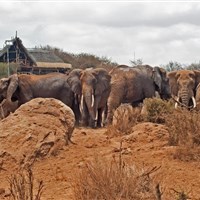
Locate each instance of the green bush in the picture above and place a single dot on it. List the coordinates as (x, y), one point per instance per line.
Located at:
(4, 69)
(155, 109)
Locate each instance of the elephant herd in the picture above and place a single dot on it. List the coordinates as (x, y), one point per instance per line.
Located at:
(94, 94)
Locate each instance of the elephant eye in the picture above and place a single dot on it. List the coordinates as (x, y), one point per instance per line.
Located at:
(191, 75)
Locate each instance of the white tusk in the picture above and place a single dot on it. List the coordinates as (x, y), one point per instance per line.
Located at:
(176, 104)
(92, 100)
(81, 103)
(194, 102)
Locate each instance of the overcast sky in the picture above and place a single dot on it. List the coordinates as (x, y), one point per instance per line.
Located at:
(156, 32)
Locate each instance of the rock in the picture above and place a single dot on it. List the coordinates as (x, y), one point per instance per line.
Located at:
(2, 191)
(39, 128)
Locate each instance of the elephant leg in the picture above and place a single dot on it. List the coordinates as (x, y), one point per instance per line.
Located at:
(92, 123)
(104, 115)
(113, 104)
(77, 113)
(99, 118)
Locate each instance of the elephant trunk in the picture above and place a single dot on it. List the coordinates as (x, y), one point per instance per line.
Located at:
(90, 103)
(12, 87)
(186, 98)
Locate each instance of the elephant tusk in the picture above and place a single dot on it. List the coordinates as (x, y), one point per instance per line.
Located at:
(81, 103)
(176, 104)
(194, 102)
(92, 104)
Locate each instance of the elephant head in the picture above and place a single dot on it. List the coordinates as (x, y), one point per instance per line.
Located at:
(161, 82)
(183, 84)
(8, 86)
(95, 84)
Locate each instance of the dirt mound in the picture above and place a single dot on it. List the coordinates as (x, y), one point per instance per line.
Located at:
(42, 125)
(149, 133)
(37, 129)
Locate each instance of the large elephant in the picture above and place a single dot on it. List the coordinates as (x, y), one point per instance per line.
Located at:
(183, 85)
(197, 97)
(134, 84)
(95, 92)
(23, 88)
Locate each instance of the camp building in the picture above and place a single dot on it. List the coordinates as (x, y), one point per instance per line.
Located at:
(35, 60)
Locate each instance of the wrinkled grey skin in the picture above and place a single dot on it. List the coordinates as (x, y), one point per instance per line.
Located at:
(134, 84)
(95, 92)
(183, 84)
(75, 85)
(23, 88)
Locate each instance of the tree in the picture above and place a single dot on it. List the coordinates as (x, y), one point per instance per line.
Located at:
(194, 66)
(136, 62)
(172, 66)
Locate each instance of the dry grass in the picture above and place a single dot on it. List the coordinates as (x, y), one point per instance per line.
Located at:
(184, 132)
(155, 110)
(184, 128)
(113, 179)
(125, 117)
(21, 186)
(183, 125)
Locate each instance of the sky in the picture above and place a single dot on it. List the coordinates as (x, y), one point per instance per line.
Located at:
(155, 32)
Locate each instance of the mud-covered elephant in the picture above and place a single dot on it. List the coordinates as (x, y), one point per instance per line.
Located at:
(24, 87)
(197, 97)
(134, 84)
(183, 85)
(95, 91)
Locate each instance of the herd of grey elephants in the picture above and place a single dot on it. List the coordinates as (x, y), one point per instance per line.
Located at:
(94, 94)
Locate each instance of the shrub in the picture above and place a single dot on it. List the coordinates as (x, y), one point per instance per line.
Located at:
(184, 127)
(103, 179)
(125, 117)
(21, 186)
(156, 109)
(184, 130)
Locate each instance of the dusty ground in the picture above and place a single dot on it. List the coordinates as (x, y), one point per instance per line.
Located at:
(146, 147)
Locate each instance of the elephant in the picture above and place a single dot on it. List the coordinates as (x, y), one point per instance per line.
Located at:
(7, 107)
(197, 97)
(24, 87)
(183, 84)
(95, 91)
(134, 84)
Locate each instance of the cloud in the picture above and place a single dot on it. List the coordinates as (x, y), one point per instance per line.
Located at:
(157, 32)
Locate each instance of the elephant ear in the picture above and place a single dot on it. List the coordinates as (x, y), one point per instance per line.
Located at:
(74, 81)
(173, 83)
(197, 77)
(157, 78)
(13, 84)
(103, 80)
(4, 82)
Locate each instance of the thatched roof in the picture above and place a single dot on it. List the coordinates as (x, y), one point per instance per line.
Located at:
(37, 57)
(16, 43)
(45, 58)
